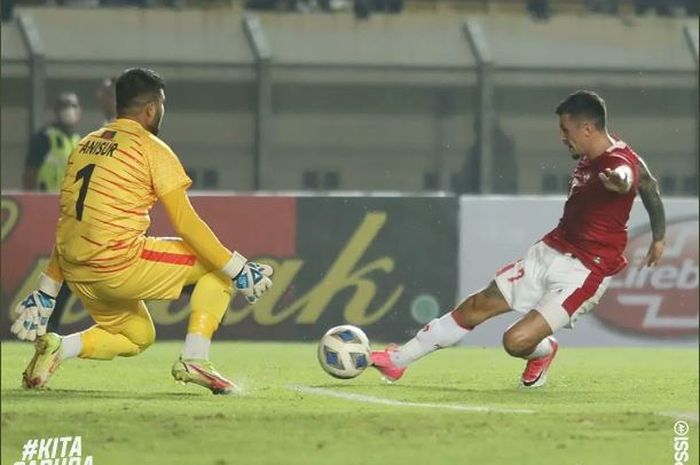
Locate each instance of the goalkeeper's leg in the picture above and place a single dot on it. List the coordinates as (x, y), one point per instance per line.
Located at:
(169, 267)
(210, 299)
(123, 329)
(125, 335)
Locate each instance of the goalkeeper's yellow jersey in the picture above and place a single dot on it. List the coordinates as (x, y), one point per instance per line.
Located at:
(113, 178)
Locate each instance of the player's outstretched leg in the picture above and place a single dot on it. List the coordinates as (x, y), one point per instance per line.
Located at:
(441, 332)
(531, 339)
(535, 373)
(210, 299)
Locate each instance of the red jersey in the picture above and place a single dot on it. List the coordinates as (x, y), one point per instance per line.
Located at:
(594, 225)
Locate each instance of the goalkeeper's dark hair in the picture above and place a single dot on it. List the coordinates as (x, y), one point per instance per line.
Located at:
(584, 104)
(135, 87)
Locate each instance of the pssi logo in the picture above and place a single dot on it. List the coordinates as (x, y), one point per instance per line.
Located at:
(659, 301)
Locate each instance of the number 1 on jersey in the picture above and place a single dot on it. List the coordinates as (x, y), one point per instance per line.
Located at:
(83, 174)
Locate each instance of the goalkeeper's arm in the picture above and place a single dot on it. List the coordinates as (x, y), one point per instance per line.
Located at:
(33, 312)
(197, 234)
(52, 278)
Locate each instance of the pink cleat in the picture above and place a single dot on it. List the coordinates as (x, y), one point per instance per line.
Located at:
(381, 360)
(535, 374)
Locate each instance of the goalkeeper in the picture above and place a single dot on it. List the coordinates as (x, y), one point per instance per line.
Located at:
(114, 177)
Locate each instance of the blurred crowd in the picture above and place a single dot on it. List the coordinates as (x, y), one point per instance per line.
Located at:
(49, 147)
(541, 9)
(361, 8)
(537, 9)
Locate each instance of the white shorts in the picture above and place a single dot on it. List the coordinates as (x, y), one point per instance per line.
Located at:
(557, 285)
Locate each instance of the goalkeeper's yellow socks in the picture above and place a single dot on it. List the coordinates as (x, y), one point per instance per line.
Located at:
(210, 299)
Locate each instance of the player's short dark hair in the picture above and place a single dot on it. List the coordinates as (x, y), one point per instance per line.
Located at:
(137, 86)
(584, 104)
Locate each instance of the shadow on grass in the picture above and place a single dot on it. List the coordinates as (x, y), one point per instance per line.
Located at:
(417, 388)
(436, 392)
(81, 394)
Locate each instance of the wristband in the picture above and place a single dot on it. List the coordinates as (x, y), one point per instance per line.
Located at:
(49, 286)
(234, 266)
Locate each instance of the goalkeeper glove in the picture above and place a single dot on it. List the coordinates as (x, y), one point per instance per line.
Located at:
(34, 311)
(252, 279)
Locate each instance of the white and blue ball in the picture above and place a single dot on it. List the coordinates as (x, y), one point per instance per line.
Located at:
(344, 351)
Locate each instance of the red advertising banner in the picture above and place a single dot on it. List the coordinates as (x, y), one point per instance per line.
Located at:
(261, 226)
(337, 260)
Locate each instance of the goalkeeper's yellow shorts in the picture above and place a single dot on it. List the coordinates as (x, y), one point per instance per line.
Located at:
(163, 268)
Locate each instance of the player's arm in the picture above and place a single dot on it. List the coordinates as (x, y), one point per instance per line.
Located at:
(197, 234)
(33, 312)
(648, 190)
(53, 272)
(250, 278)
(619, 179)
(170, 183)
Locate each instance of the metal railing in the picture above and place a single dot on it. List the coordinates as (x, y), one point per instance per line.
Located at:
(265, 63)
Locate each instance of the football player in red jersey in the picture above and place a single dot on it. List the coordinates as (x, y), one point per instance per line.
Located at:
(565, 274)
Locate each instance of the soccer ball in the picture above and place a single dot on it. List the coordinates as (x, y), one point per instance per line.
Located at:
(343, 351)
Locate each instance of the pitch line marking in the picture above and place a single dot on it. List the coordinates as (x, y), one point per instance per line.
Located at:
(692, 416)
(399, 403)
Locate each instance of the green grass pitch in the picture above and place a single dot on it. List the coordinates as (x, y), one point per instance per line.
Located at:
(601, 407)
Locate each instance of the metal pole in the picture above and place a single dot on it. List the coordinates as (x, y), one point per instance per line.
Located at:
(263, 109)
(691, 39)
(37, 69)
(442, 109)
(479, 47)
